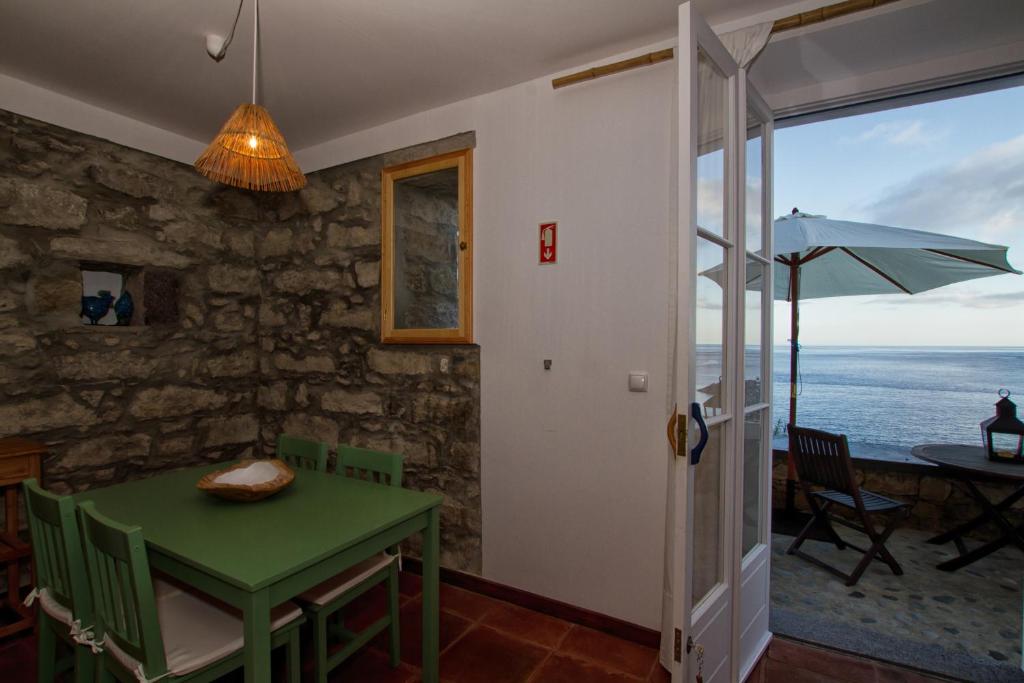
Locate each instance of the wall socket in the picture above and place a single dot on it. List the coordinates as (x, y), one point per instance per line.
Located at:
(445, 365)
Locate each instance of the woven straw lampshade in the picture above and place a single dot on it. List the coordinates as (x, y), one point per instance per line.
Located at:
(250, 152)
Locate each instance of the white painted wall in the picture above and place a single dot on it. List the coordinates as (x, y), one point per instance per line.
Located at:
(573, 464)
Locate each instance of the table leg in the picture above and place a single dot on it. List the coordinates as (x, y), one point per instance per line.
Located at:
(992, 512)
(431, 620)
(257, 637)
(985, 516)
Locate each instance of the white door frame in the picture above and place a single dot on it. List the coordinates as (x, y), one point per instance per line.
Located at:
(714, 612)
(750, 634)
(730, 621)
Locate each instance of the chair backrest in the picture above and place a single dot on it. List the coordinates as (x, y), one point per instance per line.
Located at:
(57, 550)
(822, 458)
(302, 453)
(122, 589)
(376, 466)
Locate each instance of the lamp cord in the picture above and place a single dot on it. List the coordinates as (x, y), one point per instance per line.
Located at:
(255, 43)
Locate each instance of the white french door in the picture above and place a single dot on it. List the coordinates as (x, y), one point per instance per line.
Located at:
(721, 547)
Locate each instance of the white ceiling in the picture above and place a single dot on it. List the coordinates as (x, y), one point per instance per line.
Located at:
(329, 67)
(912, 44)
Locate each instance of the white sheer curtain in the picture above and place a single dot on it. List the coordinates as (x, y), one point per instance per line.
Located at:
(744, 45)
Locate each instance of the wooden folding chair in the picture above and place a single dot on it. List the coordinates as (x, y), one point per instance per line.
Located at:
(823, 459)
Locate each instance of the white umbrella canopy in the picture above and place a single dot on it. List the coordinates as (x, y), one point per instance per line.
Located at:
(844, 258)
(816, 257)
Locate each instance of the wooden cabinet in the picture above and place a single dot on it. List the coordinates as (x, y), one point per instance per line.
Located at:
(19, 460)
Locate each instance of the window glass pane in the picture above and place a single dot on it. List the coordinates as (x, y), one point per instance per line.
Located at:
(711, 117)
(710, 327)
(753, 388)
(708, 545)
(753, 438)
(426, 238)
(755, 188)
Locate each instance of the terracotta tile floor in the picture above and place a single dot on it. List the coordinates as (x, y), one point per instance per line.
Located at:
(489, 641)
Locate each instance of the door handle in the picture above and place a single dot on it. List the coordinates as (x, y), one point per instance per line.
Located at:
(698, 415)
(672, 431)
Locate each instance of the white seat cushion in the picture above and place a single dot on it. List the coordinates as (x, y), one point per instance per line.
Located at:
(347, 580)
(54, 609)
(197, 633)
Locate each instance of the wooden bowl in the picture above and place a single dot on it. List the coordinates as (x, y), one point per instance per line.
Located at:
(248, 480)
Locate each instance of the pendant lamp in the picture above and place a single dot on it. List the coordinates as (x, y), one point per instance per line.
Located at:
(249, 151)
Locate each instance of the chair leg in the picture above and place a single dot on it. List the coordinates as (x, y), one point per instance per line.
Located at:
(103, 674)
(320, 645)
(819, 518)
(85, 665)
(394, 633)
(46, 656)
(294, 657)
(877, 548)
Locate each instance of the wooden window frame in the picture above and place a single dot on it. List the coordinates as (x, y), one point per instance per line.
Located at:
(463, 334)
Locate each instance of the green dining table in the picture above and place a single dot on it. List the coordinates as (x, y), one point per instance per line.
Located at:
(257, 555)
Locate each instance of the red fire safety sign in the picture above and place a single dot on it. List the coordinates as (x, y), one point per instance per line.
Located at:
(548, 243)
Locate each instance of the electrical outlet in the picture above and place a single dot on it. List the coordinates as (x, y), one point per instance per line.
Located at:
(445, 365)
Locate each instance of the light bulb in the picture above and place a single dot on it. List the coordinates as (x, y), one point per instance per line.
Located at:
(253, 141)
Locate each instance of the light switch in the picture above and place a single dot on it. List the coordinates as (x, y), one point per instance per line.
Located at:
(638, 381)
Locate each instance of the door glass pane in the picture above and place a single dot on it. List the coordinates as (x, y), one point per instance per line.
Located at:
(708, 545)
(710, 327)
(753, 389)
(755, 187)
(753, 438)
(711, 119)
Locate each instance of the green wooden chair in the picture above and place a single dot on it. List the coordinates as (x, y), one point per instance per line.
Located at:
(65, 606)
(149, 630)
(325, 600)
(302, 453)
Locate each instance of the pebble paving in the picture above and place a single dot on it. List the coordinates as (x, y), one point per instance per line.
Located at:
(974, 611)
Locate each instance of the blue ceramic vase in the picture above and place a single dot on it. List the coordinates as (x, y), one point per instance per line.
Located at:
(95, 307)
(123, 309)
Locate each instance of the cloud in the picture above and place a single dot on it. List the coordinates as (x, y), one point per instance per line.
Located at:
(981, 196)
(967, 299)
(899, 133)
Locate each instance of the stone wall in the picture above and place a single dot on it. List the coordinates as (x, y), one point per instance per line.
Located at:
(116, 403)
(324, 371)
(939, 504)
(277, 328)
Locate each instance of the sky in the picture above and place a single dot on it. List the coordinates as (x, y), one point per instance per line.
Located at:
(956, 167)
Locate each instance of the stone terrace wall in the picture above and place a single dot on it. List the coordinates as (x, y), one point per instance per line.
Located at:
(324, 371)
(939, 504)
(116, 403)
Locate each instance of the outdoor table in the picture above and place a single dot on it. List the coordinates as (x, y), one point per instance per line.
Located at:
(970, 464)
(257, 555)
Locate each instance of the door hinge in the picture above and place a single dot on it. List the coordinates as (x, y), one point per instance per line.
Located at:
(678, 649)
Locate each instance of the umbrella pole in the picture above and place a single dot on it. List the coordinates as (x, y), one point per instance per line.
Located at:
(794, 351)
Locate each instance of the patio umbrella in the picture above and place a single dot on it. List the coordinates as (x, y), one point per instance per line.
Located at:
(817, 257)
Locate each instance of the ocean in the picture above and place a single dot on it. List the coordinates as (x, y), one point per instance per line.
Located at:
(899, 396)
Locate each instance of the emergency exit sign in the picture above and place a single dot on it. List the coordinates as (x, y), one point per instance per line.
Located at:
(548, 243)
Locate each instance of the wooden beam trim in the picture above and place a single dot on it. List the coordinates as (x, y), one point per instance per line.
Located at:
(825, 13)
(613, 68)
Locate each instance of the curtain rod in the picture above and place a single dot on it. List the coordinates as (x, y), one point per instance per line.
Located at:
(786, 23)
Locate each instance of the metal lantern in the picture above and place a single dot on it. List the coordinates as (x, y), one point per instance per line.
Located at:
(1003, 435)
